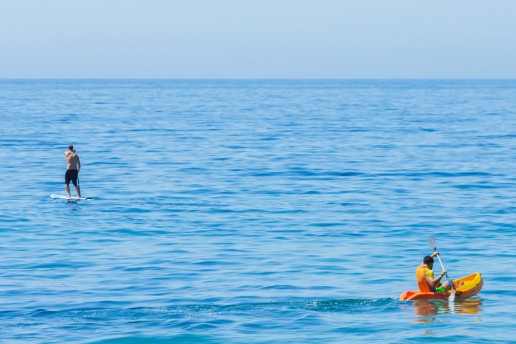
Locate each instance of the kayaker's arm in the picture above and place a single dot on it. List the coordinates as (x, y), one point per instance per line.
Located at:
(434, 282)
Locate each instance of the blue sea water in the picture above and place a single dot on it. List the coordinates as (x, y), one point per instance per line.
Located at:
(255, 211)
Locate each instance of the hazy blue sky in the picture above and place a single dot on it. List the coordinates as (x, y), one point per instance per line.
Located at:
(258, 39)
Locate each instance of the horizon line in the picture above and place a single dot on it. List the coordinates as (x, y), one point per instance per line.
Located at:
(259, 79)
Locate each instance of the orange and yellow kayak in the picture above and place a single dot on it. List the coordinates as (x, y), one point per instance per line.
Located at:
(464, 287)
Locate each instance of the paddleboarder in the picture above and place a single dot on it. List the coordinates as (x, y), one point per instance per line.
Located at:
(425, 276)
(73, 166)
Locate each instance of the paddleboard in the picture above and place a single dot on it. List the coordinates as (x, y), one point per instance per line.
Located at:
(70, 198)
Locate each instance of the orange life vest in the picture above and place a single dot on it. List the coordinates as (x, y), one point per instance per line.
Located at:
(422, 272)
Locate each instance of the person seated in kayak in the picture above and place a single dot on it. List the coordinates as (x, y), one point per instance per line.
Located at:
(425, 276)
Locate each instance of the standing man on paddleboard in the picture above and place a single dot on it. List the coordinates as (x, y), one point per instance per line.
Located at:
(73, 166)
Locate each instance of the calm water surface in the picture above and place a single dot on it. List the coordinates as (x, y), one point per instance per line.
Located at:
(255, 211)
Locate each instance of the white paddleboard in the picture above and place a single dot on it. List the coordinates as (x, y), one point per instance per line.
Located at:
(70, 198)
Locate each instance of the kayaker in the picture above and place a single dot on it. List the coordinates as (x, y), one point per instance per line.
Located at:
(425, 276)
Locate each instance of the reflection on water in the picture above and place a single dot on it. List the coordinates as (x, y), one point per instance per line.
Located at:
(426, 308)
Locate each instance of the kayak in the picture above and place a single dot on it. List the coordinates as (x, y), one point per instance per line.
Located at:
(464, 287)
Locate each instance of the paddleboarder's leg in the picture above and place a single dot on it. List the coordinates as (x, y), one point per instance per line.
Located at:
(67, 183)
(75, 176)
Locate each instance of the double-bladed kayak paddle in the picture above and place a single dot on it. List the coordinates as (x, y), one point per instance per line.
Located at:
(431, 242)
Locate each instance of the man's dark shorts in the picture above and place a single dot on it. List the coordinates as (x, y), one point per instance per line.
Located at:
(71, 175)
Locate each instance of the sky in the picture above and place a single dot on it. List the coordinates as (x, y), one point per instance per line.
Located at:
(242, 39)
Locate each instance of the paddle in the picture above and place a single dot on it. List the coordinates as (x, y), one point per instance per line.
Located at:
(431, 241)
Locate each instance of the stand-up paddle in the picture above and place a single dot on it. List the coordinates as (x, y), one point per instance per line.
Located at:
(431, 242)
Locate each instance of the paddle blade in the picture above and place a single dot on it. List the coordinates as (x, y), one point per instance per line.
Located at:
(431, 242)
(452, 296)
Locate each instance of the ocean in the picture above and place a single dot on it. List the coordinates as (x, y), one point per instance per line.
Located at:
(255, 211)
